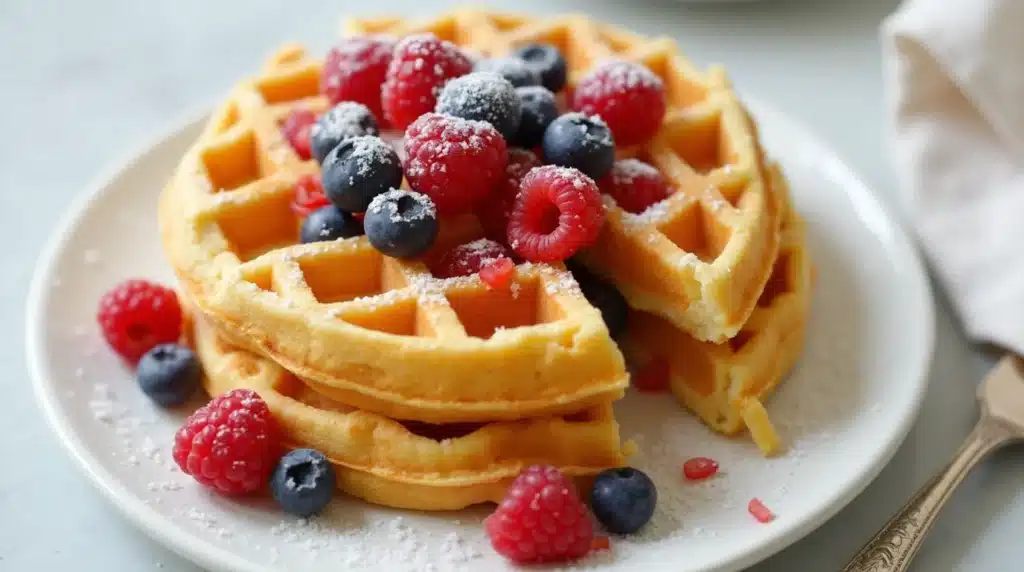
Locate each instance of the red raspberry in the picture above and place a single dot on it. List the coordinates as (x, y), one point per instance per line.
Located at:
(558, 211)
(699, 468)
(628, 96)
(354, 70)
(231, 444)
(493, 213)
(137, 315)
(296, 130)
(309, 196)
(419, 68)
(498, 273)
(454, 161)
(541, 519)
(469, 258)
(635, 185)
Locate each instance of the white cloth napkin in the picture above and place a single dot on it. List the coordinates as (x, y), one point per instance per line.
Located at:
(955, 81)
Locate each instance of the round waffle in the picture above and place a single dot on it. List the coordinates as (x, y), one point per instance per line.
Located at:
(411, 465)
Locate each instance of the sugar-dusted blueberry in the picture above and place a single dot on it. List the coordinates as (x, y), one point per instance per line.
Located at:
(549, 63)
(303, 482)
(482, 96)
(603, 296)
(580, 141)
(623, 499)
(515, 70)
(539, 109)
(343, 121)
(329, 223)
(401, 224)
(359, 169)
(169, 374)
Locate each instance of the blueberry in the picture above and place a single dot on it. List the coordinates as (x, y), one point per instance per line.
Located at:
(516, 71)
(482, 96)
(548, 62)
(539, 110)
(303, 482)
(580, 141)
(401, 224)
(359, 169)
(347, 119)
(603, 296)
(329, 223)
(169, 374)
(623, 499)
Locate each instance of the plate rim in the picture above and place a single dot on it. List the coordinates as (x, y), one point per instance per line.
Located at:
(210, 555)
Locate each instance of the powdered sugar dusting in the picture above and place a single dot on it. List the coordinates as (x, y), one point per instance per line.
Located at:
(393, 202)
(617, 76)
(344, 120)
(484, 96)
(367, 151)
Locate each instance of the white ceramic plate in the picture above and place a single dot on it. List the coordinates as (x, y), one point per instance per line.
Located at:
(843, 412)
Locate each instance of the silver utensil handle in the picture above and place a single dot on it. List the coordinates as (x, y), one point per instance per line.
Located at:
(895, 545)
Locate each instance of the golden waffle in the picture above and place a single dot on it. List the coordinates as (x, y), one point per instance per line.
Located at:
(377, 333)
(701, 257)
(725, 383)
(412, 465)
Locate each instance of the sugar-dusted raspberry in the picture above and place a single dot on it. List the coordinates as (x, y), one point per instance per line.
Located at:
(541, 519)
(354, 70)
(467, 259)
(231, 444)
(296, 129)
(628, 96)
(454, 161)
(419, 68)
(558, 211)
(493, 213)
(137, 315)
(309, 196)
(635, 185)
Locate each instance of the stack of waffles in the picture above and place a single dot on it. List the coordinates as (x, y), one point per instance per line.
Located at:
(431, 393)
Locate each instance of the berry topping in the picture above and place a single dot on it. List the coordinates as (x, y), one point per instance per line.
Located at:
(231, 444)
(497, 274)
(760, 512)
(541, 519)
(548, 62)
(635, 185)
(515, 70)
(601, 543)
(482, 96)
(558, 211)
(296, 129)
(345, 120)
(354, 70)
(419, 68)
(169, 374)
(454, 161)
(623, 499)
(582, 142)
(652, 377)
(359, 169)
(467, 259)
(303, 482)
(494, 212)
(699, 468)
(602, 296)
(401, 224)
(539, 109)
(309, 196)
(136, 316)
(329, 223)
(628, 96)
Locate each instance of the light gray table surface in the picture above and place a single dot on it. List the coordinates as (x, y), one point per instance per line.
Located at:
(85, 82)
